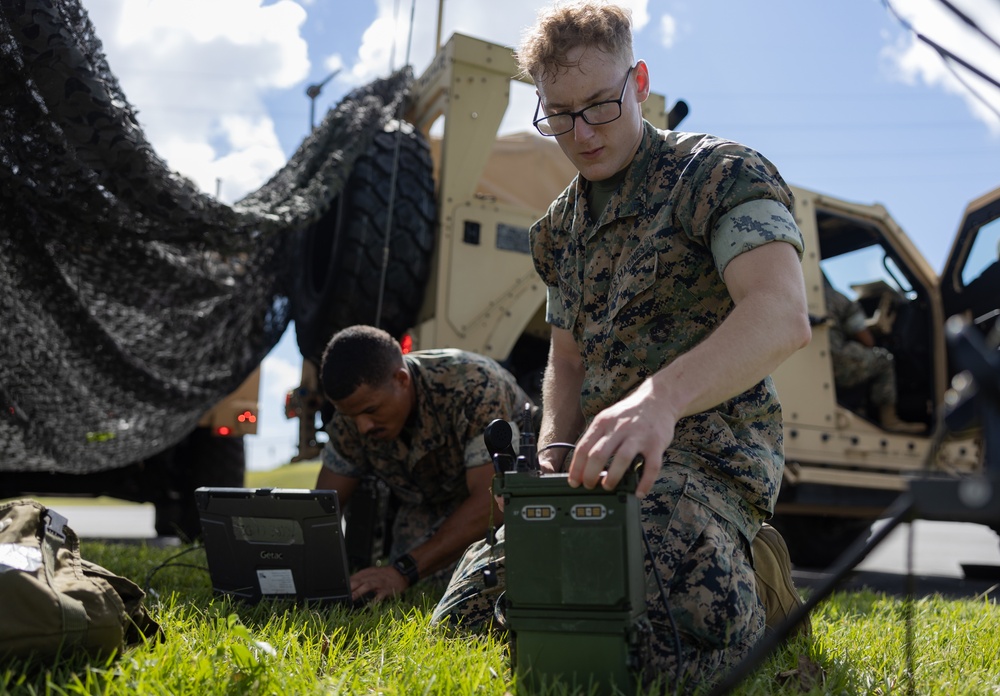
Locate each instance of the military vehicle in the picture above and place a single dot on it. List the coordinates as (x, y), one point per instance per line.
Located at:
(211, 454)
(427, 237)
(482, 294)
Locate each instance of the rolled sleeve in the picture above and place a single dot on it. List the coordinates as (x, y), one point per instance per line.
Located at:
(855, 322)
(750, 225)
(335, 462)
(476, 453)
(555, 309)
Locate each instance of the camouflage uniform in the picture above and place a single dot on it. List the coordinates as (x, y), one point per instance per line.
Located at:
(855, 363)
(639, 284)
(458, 394)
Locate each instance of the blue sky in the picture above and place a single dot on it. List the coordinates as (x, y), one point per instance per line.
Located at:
(839, 95)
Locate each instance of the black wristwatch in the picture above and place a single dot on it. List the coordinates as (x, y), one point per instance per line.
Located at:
(407, 567)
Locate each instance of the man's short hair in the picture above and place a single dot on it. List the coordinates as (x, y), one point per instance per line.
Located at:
(565, 26)
(355, 356)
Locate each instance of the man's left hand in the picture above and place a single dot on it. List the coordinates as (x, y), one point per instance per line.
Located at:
(384, 581)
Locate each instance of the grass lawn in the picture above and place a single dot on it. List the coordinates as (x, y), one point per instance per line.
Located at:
(215, 646)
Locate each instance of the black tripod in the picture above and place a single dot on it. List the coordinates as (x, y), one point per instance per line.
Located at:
(974, 397)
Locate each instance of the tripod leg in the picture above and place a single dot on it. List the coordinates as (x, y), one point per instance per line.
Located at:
(900, 511)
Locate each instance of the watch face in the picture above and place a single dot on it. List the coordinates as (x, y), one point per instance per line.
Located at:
(407, 567)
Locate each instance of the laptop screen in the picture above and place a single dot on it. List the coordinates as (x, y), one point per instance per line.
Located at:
(274, 543)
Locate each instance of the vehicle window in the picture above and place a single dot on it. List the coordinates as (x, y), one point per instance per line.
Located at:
(984, 253)
(863, 266)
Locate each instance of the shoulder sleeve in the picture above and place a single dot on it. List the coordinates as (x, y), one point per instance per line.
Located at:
(719, 178)
(339, 454)
(750, 225)
(846, 312)
(555, 262)
(541, 242)
(490, 392)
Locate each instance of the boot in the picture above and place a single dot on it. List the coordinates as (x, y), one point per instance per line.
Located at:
(890, 421)
(773, 569)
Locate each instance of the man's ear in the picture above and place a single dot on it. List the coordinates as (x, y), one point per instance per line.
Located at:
(641, 81)
(402, 376)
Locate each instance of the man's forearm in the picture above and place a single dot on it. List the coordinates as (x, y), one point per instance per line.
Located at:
(767, 325)
(562, 418)
(467, 524)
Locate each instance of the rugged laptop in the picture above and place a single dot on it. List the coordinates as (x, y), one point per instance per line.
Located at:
(275, 543)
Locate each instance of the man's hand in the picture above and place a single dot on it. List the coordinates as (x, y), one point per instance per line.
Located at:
(769, 322)
(384, 581)
(641, 424)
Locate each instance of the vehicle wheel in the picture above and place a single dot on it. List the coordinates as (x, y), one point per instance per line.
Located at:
(341, 255)
(200, 459)
(368, 521)
(817, 541)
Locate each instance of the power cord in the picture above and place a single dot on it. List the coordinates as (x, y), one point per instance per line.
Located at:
(569, 446)
(666, 605)
(169, 563)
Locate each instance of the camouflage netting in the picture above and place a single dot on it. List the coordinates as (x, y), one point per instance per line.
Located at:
(130, 302)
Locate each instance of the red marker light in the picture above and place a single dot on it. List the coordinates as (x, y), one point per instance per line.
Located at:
(223, 430)
(406, 344)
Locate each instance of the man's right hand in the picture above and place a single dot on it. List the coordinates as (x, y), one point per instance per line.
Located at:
(378, 583)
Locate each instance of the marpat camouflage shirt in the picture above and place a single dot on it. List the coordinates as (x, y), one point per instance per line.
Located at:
(640, 283)
(458, 394)
(847, 315)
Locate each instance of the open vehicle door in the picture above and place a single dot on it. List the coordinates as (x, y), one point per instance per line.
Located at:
(970, 282)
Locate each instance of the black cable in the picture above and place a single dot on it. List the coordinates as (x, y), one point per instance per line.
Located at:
(169, 563)
(394, 173)
(948, 57)
(911, 685)
(900, 511)
(555, 445)
(971, 22)
(666, 606)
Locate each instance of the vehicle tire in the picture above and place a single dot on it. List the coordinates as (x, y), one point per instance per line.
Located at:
(368, 523)
(200, 459)
(341, 255)
(817, 541)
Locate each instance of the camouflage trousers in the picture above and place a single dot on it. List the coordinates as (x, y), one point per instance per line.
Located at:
(703, 562)
(855, 364)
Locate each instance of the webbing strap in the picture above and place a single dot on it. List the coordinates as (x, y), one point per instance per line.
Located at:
(74, 615)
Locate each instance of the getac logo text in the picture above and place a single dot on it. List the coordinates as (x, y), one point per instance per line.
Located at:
(270, 555)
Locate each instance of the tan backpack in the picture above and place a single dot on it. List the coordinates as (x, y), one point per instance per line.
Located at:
(54, 602)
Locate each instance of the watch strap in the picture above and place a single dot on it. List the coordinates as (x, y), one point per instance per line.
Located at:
(407, 567)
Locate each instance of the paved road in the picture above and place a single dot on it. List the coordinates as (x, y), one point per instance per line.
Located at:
(954, 559)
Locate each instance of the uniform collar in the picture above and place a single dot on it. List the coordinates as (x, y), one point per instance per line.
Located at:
(632, 197)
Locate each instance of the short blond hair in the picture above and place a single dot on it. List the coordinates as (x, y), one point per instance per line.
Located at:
(568, 25)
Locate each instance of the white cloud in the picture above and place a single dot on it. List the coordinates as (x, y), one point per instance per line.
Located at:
(279, 374)
(668, 31)
(276, 440)
(334, 62)
(912, 61)
(505, 27)
(640, 13)
(198, 73)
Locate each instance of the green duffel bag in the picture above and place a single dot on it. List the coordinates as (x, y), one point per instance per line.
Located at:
(52, 601)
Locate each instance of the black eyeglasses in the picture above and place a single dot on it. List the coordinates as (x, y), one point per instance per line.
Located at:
(595, 114)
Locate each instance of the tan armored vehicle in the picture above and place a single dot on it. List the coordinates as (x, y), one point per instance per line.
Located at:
(483, 295)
